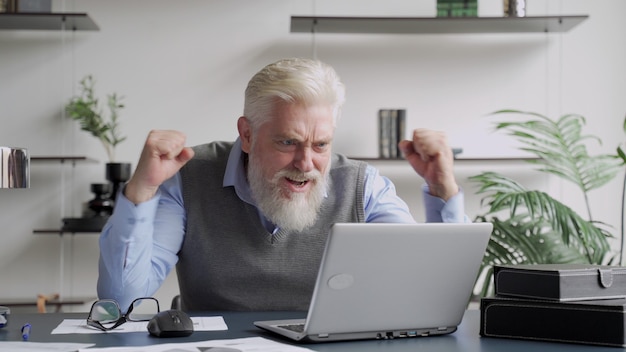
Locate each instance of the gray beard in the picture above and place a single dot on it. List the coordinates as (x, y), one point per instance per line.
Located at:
(294, 213)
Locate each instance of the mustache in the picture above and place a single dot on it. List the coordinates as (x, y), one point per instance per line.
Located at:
(297, 175)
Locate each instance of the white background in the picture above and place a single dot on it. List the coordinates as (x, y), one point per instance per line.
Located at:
(184, 65)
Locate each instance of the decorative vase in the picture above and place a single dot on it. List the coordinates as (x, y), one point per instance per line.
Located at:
(101, 205)
(117, 174)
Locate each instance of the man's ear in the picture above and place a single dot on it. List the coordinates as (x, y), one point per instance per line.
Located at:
(245, 133)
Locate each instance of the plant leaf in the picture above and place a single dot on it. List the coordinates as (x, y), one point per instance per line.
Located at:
(86, 110)
(531, 227)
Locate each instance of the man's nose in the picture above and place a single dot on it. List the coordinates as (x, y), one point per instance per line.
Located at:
(304, 159)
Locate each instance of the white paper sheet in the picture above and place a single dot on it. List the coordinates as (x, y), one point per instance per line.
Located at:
(249, 344)
(25, 346)
(79, 326)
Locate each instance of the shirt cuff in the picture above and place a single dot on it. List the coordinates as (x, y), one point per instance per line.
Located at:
(439, 210)
(128, 215)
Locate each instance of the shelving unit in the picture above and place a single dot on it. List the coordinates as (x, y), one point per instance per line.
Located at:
(434, 25)
(72, 160)
(62, 160)
(47, 21)
(60, 22)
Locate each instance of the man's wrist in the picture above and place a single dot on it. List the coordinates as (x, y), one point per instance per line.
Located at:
(138, 194)
(444, 191)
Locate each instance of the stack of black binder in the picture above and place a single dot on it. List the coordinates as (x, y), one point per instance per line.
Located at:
(574, 303)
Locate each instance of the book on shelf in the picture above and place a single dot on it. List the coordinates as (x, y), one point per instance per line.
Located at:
(391, 130)
(384, 128)
(457, 8)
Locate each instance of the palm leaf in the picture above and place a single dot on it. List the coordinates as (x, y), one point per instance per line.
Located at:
(530, 226)
(560, 147)
(506, 195)
(516, 241)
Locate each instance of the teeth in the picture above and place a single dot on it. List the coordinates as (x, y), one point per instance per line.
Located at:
(298, 183)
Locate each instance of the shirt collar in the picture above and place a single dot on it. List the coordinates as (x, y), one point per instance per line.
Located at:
(235, 174)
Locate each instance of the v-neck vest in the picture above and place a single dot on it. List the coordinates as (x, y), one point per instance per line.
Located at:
(228, 260)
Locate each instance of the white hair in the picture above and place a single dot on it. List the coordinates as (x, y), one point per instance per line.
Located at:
(294, 81)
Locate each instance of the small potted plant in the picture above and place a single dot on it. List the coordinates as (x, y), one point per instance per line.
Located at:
(86, 110)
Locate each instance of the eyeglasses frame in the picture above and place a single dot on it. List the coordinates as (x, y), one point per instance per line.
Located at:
(123, 317)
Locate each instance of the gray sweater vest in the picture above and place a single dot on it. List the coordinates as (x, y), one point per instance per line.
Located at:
(228, 260)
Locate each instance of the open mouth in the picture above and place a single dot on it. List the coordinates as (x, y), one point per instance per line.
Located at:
(297, 183)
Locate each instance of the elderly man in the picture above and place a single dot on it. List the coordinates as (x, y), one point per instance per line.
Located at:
(245, 222)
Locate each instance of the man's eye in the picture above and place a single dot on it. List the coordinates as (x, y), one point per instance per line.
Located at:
(322, 146)
(288, 142)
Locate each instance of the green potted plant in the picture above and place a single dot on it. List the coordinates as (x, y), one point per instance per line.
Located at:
(530, 226)
(85, 109)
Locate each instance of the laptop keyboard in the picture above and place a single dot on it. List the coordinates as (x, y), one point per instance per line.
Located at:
(293, 327)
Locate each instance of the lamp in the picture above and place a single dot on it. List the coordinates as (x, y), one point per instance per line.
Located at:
(14, 168)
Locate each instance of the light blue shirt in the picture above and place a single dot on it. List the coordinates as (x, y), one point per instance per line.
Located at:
(139, 243)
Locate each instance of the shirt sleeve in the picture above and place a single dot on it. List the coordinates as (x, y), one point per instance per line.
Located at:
(382, 204)
(139, 244)
(439, 210)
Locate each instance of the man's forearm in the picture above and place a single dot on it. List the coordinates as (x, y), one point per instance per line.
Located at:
(132, 264)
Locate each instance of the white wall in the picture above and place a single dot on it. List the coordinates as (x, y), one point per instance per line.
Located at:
(184, 65)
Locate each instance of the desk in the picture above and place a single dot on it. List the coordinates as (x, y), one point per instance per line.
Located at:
(466, 338)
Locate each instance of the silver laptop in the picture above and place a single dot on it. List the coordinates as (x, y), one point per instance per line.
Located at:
(382, 281)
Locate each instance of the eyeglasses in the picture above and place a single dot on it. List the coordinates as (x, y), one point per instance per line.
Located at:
(105, 314)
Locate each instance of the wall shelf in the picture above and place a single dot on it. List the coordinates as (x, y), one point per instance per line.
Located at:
(61, 232)
(57, 303)
(434, 25)
(61, 158)
(47, 21)
(469, 160)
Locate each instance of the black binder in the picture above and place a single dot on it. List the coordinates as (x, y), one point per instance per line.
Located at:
(560, 282)
(599, 322)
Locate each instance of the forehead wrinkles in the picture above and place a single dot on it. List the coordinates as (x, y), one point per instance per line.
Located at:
(310, 121)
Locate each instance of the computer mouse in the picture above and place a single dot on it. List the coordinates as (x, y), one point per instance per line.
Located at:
(170, 323)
